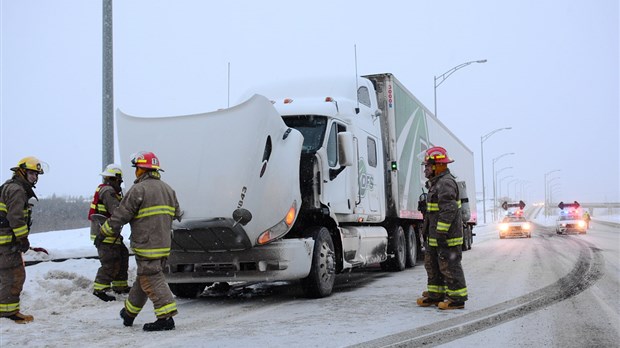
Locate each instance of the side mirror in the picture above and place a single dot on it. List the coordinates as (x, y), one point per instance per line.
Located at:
(346, 153)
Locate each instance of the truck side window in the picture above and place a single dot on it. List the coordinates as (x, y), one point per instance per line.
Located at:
(372, 152)
(363, 96)
(332, 144)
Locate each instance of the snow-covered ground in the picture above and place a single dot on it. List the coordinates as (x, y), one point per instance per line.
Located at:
(59, 295)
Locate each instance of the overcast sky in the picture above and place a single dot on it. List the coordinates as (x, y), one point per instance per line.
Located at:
(552, 75)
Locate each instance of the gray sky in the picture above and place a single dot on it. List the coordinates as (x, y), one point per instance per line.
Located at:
(552, 75)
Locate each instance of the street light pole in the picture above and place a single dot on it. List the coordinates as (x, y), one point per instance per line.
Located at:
(545, 186)
(482, 140)
(516, 198)
(522, 191)
(552, 190)
(494, 181)
(500, 185)
(107, 117)
(508, 187)
(441, 78)
(495, 190)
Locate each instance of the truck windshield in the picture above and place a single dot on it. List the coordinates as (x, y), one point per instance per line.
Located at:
(312, 127)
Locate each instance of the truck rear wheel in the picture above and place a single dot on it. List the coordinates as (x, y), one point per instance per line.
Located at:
(320, 282)
(467, 237)
(412, 246)
(396, 246)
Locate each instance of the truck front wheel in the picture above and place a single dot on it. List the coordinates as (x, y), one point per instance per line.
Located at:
(320, 282)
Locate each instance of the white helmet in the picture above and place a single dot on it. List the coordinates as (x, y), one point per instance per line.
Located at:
(112, 170)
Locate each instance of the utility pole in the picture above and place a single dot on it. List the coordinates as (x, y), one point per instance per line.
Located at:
(107, 117)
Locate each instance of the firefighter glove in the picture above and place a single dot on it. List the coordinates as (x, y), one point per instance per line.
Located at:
(442, 241)
(99, 240)
(24, 245)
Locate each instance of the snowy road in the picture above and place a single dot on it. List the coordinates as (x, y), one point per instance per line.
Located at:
(550, 290)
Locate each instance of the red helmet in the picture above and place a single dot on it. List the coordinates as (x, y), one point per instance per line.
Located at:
(436, 154)
(146, 160)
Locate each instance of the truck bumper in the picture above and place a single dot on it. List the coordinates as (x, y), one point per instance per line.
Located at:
(286, 259)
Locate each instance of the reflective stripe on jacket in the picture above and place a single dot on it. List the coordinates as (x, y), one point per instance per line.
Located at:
(105, 201)
(15, 211)
(149, 207)
(443, 216)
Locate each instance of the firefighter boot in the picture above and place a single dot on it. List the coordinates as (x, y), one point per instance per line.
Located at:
(21, 318)
(103, 296)
(127, 319)
(450, 304)
(427, 301)
(160, 325)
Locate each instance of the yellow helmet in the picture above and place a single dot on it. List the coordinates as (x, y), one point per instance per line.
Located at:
(31, 163)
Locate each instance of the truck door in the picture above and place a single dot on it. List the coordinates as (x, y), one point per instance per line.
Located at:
(339, 182)
(370, 179)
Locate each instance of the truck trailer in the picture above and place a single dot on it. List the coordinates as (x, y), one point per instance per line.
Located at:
(303, 180)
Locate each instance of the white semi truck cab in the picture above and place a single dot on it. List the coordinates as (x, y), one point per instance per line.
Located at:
(301, 181)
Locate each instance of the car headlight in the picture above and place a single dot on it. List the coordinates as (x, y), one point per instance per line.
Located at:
(581, 223)
(526, 226)
(503, 227)
(279, 229)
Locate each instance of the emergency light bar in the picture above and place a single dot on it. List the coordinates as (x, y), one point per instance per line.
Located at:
(563, 205)
(507, 205)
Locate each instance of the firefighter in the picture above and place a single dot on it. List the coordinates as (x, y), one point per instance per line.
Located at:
(113, 253)
(587, 218)
(15, 221)
(443, 225)
(149, 207)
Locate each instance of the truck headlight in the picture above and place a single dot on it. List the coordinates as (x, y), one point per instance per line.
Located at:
(279, 229)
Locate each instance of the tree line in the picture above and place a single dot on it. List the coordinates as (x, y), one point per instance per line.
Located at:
(59, 213)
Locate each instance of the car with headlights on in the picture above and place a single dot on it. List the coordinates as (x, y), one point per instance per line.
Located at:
(570, 219)
(515, 226)
(570, 223)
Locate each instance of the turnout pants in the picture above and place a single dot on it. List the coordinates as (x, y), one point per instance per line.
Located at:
(12, 278)
(114, 265)
(151, 284)
(445, 273)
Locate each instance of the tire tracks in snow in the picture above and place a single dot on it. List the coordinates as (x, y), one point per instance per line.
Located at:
(588, 269)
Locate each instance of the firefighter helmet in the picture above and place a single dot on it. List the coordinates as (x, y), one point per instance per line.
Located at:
(435, 155)
(112, 171)
(31, 163)
(146, 160)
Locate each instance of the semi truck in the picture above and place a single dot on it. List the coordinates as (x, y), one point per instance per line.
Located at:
(301, 181)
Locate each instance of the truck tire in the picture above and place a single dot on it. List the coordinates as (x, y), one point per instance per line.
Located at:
(320, 282)
(412, 246)
(467, 238)
(187, 290)
(396, 246)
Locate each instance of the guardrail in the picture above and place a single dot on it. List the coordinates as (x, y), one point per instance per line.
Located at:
(607, 223)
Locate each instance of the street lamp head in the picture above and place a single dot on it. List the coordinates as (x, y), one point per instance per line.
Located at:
(481, 61)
